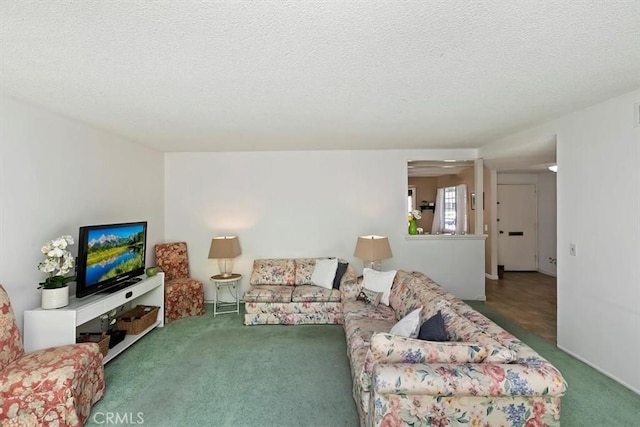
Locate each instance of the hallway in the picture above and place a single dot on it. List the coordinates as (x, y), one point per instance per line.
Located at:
(527, 298)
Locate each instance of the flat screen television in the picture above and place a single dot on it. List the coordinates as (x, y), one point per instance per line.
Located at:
(110, 257)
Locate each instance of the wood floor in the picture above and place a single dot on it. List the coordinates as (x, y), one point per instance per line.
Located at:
(527, 298)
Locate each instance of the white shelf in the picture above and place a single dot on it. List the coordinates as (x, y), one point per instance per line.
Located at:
(50, 328)
(127, 341)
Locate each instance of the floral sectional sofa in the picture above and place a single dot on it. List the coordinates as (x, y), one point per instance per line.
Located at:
(281, 293)
(483, 376)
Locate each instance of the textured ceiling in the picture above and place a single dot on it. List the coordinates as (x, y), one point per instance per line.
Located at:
(298, 75)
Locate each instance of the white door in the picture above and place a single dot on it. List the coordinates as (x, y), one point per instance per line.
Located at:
(517, 224)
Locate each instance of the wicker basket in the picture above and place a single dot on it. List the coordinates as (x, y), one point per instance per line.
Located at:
(101, 339)
(137, 319)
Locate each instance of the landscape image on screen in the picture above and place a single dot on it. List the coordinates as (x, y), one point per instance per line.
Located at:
(113, 251)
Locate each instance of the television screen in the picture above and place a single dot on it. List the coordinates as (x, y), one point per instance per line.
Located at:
(110, 256)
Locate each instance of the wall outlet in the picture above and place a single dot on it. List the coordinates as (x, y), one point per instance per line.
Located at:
(572, 249)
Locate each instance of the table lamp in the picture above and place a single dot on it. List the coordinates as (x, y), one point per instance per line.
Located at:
(372, 250)
(225, 249)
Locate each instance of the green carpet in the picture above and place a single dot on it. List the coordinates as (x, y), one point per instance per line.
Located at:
(205, 371)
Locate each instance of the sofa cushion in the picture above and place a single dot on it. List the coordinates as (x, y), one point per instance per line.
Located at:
(351, 285)
(379, 281)
(461, 329)
(268, 293)
(324, 272)
(359, 309)
(311, 293)
(411, 290)
(311, 308)
(273, 272)
(304, 269)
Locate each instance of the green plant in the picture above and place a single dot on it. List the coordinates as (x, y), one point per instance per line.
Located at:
(57, 263)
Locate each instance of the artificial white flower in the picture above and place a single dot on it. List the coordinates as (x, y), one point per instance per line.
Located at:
(55, 253)
(60, 243)
(415, 214)
(58, 262)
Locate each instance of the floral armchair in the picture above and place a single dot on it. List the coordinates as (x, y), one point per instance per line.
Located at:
(51, 387)
(183, 296)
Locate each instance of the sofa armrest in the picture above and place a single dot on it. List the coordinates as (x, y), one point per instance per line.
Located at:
(58, 385)
(478, 379)
(388, 348)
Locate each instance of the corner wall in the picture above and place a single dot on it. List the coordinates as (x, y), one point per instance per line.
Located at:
(57, 174)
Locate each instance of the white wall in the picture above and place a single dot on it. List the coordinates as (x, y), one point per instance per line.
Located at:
(309, 203)
(598, 154)
(547, 223)
(58, 174)
(545, 183)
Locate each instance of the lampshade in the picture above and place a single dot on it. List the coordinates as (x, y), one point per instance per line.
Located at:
(373, 249)
(225, 248)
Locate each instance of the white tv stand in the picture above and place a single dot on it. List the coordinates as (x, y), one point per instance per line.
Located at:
(49, 328)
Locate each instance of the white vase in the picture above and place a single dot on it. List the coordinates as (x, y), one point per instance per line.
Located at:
(55, 298)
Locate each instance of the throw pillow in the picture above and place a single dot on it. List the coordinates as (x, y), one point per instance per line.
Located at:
(324, 272)
(408, 326)
(369, 297)
(433, 329)
(342, 268)
(379, 281)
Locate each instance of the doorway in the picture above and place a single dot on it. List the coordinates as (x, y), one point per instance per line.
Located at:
(517, 220)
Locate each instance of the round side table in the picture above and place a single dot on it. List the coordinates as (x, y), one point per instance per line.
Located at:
(232, 284)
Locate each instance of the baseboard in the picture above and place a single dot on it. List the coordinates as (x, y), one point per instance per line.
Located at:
(602, 371)
(491, 276)
(548, 273)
